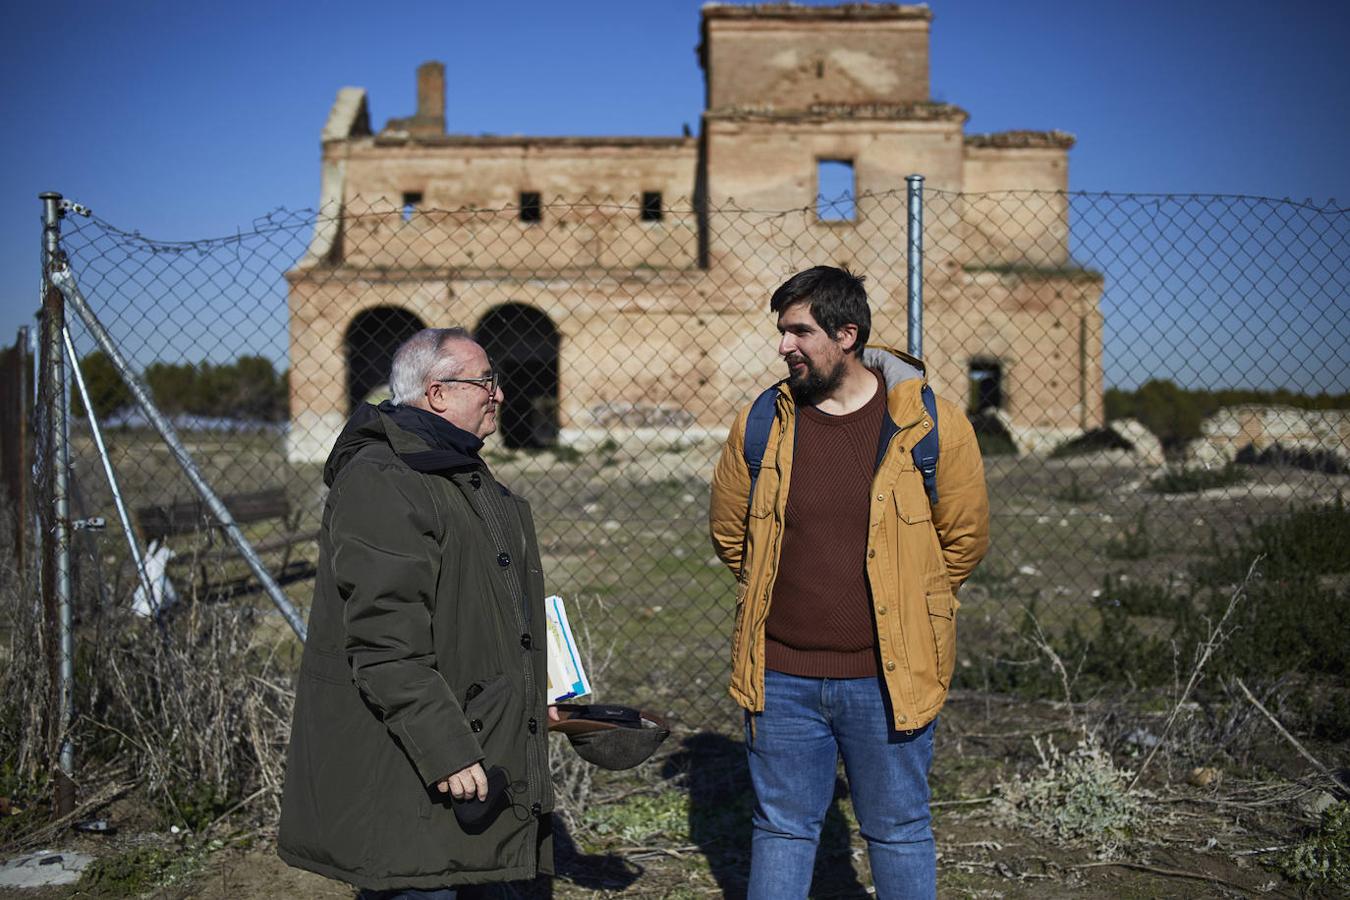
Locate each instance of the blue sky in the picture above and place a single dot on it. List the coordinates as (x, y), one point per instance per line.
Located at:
(184, 120)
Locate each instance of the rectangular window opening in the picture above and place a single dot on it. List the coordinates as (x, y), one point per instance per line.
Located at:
(986, 385)
(412, 200)
(651, 206)
(531, 208)
(835, 191)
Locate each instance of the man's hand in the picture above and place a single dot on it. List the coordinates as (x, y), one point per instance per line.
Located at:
(553, 714)
(466, 783)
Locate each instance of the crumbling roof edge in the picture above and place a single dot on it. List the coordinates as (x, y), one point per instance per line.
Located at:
(1023, 140)
(871, 11)
(916, 111)
(348, 116)
(401, 138)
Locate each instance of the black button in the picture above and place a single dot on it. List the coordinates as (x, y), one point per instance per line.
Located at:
(536, 809)
(475, 481)
(503, 559)
(534, 726)
(476, 725)
(526, 641)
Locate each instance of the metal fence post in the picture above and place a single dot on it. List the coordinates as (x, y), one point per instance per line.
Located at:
(14, 442)
(59, 607)
(914, 279)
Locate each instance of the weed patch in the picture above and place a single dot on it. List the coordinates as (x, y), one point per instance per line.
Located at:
(1078, 796)
(639, 819)
(1323, 858)
(138, 871)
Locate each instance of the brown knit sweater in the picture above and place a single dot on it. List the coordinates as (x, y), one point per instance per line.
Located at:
(820, 615)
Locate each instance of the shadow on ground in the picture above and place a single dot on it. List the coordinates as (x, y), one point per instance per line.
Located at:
(594, 872)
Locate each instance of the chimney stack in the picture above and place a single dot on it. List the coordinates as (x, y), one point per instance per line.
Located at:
(431, 93)
(429, 121)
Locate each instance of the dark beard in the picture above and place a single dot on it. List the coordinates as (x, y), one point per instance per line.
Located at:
(812, 387)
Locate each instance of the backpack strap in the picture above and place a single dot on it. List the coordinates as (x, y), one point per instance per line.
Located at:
(925, 452)
(760, 420)
(757, 426)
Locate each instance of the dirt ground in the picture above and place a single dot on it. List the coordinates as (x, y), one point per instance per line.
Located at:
(689, 835)
(635, 561)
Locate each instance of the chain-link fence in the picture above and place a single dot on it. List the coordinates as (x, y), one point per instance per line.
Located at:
(1213, 331)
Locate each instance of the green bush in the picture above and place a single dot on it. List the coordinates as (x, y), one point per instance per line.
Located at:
(1281, 627)
(1143, 598)
(1326, 713)
(1117, 653)
(1192, 481)
(1314, 540)
(1134, 542)
(993, 443)
(1096, 440)
(1292, 620)
(566, 454)
(1075, 491)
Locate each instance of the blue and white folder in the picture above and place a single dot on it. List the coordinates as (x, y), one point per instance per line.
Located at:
(566, 674)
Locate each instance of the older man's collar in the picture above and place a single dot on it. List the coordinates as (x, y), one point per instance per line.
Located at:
(437, 445)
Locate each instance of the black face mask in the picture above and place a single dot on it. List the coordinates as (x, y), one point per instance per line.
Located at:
(475, 815)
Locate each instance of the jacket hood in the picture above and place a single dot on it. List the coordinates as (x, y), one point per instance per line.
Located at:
(425, 442)
(895, 366)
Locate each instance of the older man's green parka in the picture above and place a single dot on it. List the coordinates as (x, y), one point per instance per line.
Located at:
(421, 659)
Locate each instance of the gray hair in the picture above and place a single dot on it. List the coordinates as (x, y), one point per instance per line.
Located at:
(418, 358)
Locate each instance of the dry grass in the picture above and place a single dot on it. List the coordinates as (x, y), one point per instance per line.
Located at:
(26, 741)
(200, 705)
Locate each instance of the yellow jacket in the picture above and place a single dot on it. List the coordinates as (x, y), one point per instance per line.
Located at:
(916, 557)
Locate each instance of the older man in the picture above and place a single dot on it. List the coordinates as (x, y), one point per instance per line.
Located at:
(425, 659)
(847, 565)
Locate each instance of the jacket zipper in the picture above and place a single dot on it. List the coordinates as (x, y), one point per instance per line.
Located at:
(757, 671)
(536, 772)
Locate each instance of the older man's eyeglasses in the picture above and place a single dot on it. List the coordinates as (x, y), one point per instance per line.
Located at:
(488, 382)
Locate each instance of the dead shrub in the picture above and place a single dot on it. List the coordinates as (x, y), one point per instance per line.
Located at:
(200, 706)
(25, 750)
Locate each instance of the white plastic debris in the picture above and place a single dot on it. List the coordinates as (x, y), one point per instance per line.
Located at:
(43, 868)
(162, 594)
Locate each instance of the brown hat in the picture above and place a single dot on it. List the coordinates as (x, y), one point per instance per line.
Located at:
(611, 736)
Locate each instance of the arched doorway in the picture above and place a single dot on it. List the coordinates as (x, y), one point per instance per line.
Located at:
(522, 343)
(372, 338)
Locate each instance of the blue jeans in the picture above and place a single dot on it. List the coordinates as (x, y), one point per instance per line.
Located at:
(410, 894)
(806, 725)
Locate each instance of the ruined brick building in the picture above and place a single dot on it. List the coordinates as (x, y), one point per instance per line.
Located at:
(621, 284)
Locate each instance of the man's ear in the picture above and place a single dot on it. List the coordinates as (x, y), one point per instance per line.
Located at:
(846, 337)
(435, 398)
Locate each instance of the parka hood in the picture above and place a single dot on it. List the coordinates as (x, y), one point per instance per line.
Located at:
(894, 365)
(425, 442)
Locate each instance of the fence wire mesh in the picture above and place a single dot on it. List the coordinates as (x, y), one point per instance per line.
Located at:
(1213, 332)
